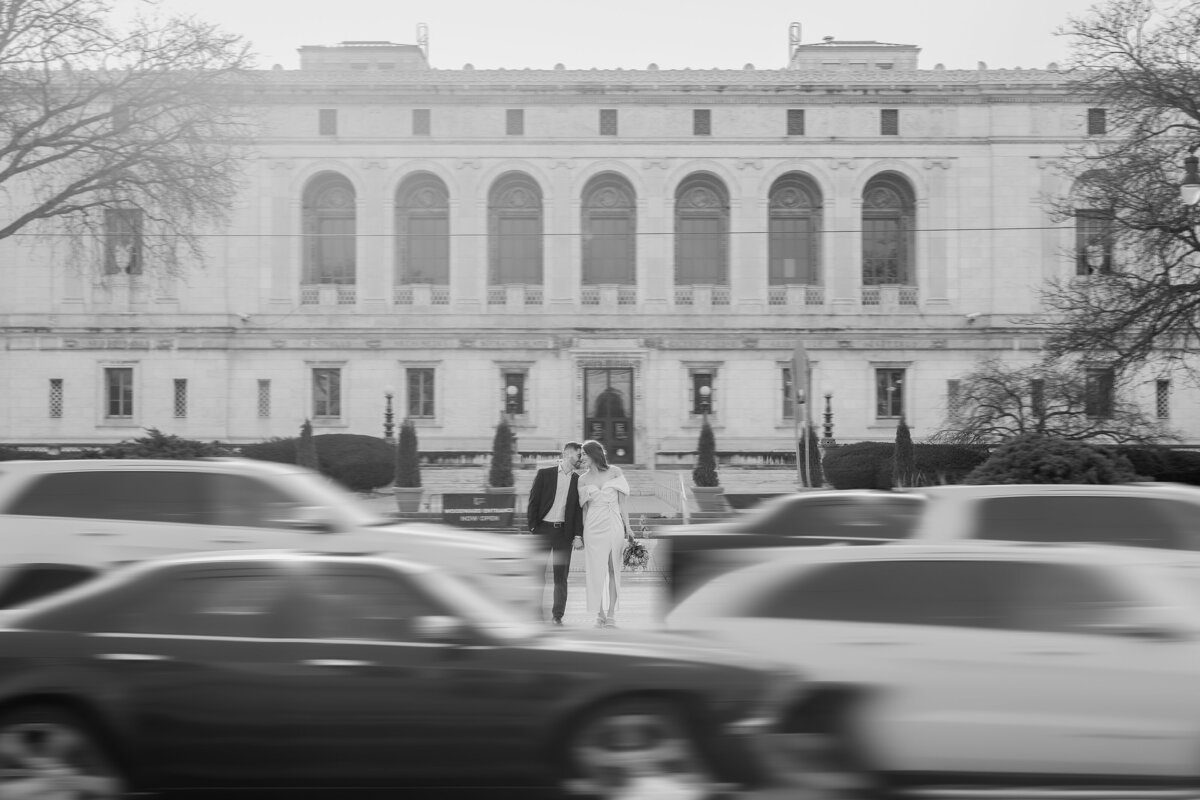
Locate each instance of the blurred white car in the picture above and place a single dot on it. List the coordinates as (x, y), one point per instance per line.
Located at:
(60, 518)
(978, 664)
(1155, 515)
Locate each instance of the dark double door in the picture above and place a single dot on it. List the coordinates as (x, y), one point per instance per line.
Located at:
(608, 410)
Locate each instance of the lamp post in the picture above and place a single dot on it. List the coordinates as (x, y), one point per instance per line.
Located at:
(389, 424)
(827, 440)
(1189, 190)
(705, 401)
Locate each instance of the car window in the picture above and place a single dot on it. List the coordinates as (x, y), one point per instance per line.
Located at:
(957, 593)
(1113, 519)
(247, 502)
(359, 605)
(1065, 598)
(221, 604)
(883, 518)
(135, 495)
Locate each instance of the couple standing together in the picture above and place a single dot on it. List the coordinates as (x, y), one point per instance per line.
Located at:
(580, 504)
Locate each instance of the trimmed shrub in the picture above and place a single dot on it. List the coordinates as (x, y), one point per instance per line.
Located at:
(858, 465)
(904, 467)
(156, 444)
(1148, 461)
(705, 472)
(500, 475)
(13, 454)
(280, 451)
(408, 457)
(1182, 466)
(306, 449)
(815, 473)
(1044, 459)
(360, 463)
(946, 463)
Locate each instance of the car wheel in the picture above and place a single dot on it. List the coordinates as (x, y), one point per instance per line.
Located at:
(637, 748)
(46, 752)
(818, 749)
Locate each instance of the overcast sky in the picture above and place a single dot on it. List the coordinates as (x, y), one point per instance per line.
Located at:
(631, 34)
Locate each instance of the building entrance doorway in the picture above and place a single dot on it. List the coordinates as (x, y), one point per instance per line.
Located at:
(608, 410)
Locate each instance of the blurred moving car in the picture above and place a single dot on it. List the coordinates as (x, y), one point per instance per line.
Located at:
(62, 520)
(257, 670)
(1155, 515)
(1001, 666)
(697, 553)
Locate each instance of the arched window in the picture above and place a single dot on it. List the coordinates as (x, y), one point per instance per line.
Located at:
(329, 230)
(1093, 225)
(515, 230)
(794, 231)
(609, 231)
(888, 222)
(423, 231)
(701, 231)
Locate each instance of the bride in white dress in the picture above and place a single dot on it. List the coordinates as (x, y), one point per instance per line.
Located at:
(602, 493)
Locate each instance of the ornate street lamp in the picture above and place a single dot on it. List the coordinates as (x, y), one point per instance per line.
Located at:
(705, 400)
(827, 440)
(389, 425)
(1189, 190)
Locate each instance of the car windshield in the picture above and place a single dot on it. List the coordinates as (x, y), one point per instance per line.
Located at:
(322, 492)
(495, 618)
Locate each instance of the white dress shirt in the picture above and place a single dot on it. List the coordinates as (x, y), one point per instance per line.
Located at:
(557, 512)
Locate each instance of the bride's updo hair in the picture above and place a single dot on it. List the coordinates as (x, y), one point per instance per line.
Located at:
(595, 451)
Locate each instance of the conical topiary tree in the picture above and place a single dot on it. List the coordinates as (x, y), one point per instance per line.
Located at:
(705, 473)
(814, 476)
(408, 457)
(904, 466)
(500, 476)
(306, 448)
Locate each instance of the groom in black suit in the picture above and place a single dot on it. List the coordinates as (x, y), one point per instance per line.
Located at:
(556, 519)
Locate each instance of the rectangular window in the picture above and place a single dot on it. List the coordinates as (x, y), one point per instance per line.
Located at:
(795, 122)
(702, 393)
(608, 122)
(122, 241)
(1098, 403)
(118, 392)
(1093, 241)
(327, 392)
(953, 396)
(56, 398)
(789, 402)
(420, 122)
(428, 249)
(701, 122)
(514, 122)
(1097, 121)
(889, 122)
(264, 399)
(792, 248)
(420, 392)
(1162, 399)
(327, 122)
(181, 398)
(889, 393)
(514, 393)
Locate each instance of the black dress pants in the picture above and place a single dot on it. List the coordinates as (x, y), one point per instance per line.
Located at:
(558, 550)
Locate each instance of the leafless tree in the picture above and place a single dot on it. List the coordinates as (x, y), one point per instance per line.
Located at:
(1142, 66)
(126, 132)
(998, 400)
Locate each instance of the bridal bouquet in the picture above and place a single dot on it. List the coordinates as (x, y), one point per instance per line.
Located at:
(636, 556)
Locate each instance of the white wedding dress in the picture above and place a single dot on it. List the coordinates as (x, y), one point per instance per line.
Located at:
(603, 543)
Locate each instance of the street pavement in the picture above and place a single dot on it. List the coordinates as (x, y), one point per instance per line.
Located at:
(639, 605)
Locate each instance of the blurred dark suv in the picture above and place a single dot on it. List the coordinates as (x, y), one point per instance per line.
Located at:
(697, 553)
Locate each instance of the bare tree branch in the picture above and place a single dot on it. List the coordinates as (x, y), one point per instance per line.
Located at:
(92, 117)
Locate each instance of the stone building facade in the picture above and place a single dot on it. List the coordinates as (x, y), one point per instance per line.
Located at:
(613, 254)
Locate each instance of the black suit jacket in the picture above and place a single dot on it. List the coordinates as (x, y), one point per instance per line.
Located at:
(541, 498)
